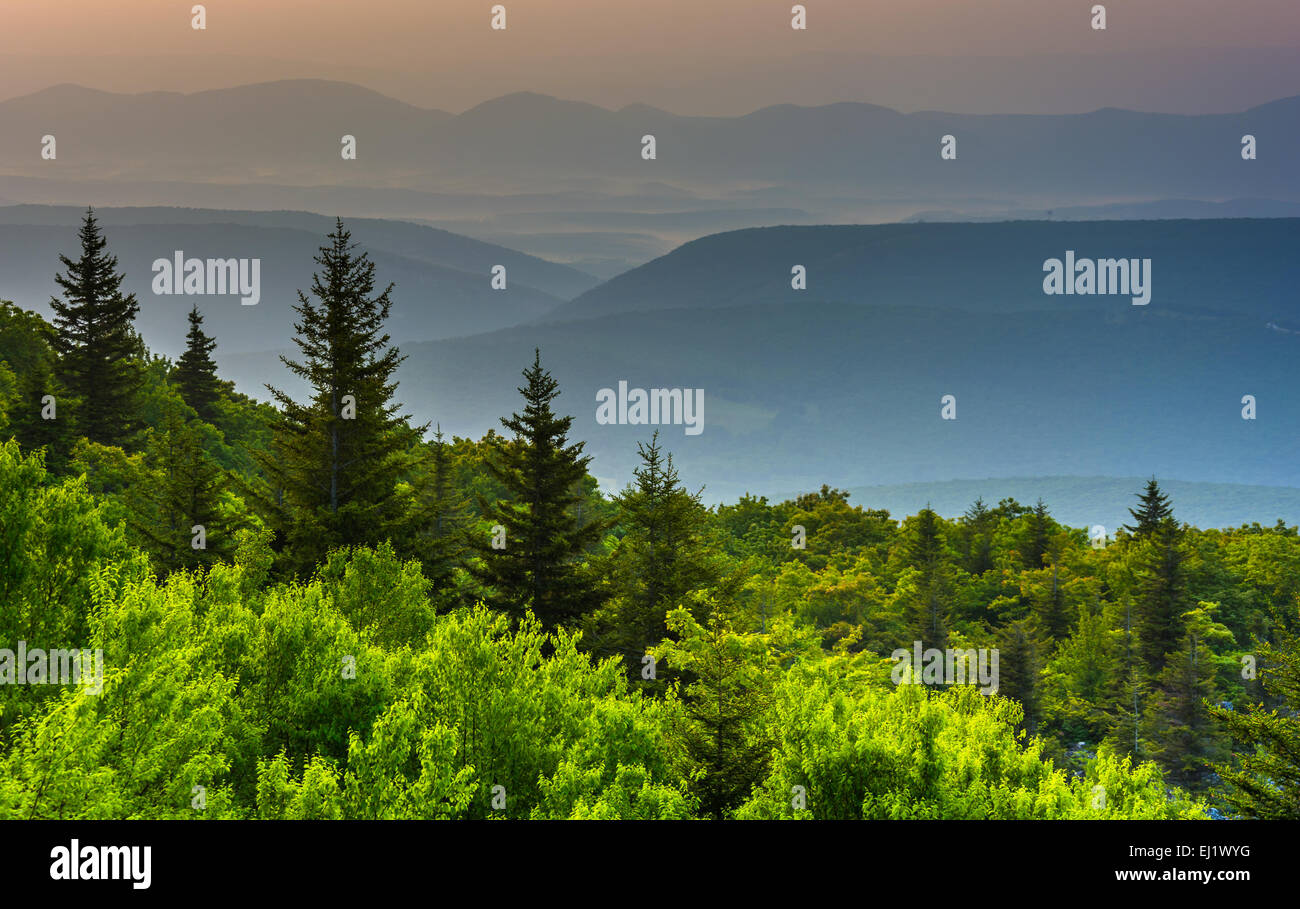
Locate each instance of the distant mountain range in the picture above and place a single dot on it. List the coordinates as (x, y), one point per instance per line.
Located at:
(289, 132)
(566, 181)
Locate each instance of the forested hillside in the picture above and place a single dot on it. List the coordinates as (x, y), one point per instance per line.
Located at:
(316, 605)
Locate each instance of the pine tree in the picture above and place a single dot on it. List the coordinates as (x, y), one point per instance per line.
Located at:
(442, 519)
(1055, 615)
(927, 609)
(540, 566)
(196, 372)
(720, 736)
(1179, 726)
(1019, 668)
(177, 506)
(98, 348)
(979, 523)
(1161, 592)
(664, 554)
(1152, 513)
(1039, 536)
(335, 461)
(1266, 782)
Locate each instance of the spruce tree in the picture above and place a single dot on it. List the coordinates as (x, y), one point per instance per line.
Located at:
(927, 608)
(1153, 511)
(1266, 781)
(195, 373)
(98, 348)
(1019, 669)
(336, 460)
(176, 509)
(979, 522)
(1038, 536)
(1161, 592)
(442, 519)
(1131, 689)
(1184, 735)
(540, 562)
(663, 555)
(720, 737)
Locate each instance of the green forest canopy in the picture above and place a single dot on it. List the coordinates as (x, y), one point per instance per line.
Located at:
(320, 609)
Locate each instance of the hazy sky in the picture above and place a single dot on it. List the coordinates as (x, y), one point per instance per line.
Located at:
(690, 56)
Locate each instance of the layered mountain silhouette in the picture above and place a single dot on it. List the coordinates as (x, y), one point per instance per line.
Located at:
(289, 132)
(567, 180)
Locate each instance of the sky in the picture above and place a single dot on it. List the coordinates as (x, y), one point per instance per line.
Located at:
(687, 56)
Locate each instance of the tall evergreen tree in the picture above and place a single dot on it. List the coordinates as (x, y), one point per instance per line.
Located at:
(1050, 605)
(1184, 735)
(176, 508)
(442, 518)
(335, 461)
(1086, 675)
(720, 736)
(979, 523)
(1161, 592)
(99, 350)
(927, 608)
(1038, 536)
(1152, 512)
(1266, 782)
(663, 555)
(195, 373)
(540, 564)
(1020, 667)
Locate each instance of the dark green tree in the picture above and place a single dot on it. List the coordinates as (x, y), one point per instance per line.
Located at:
(443, 517)
(1020, 668)
(1153, 511)
(1038, 536)
(719, 736)
(1266, 781)
(176, 508)
(1053, 609)
(665, 552)
(1161, 592)
(1183, 734)
(195, 373)
(99, 350)
(335, 461)
(927, 607)
(978, 525)
(541, 560)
